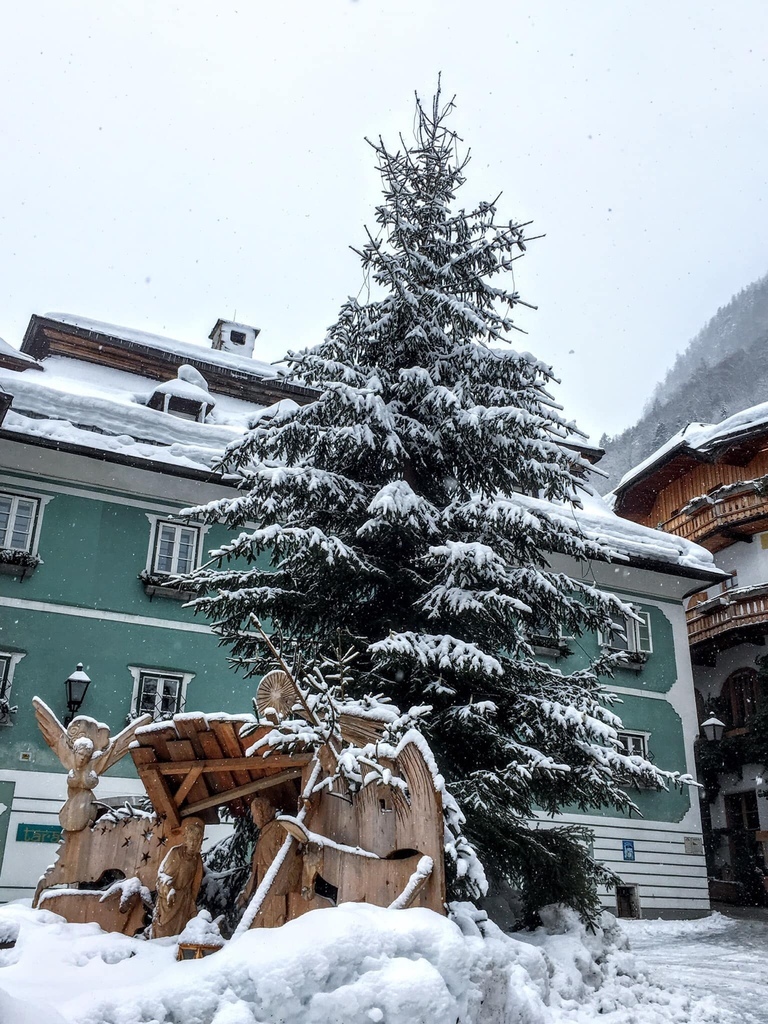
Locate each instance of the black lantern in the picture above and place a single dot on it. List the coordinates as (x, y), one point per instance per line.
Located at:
(76, 685)
(713, 729)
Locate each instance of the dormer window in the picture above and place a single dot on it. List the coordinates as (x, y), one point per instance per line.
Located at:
(185, 396)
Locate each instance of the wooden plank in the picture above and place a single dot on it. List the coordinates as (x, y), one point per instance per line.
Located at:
(182, 751)
(157, 788)
(190, 727)
(181, 793)
(226, 735)
(222, 782)
(158, 739)
(415, 892)
(231, 742)
(245, 790)
(218, 764)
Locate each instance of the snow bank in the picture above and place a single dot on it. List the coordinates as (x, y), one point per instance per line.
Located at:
(350, 965)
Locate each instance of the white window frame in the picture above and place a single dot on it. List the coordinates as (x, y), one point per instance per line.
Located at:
(12, 658)
(155, 522)
(635, 734)
(40, 500)
(547, 643)
(639, 634)
(139, 672)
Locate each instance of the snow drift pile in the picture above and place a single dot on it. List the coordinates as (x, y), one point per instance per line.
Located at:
(350, 965)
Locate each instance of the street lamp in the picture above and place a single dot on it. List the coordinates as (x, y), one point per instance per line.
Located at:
(77, 684)
(713, 729)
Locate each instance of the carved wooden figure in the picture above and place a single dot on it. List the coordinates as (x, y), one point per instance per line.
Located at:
(178, 882)
(86, 751)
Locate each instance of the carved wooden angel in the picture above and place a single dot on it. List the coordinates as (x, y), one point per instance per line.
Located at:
(86, 751)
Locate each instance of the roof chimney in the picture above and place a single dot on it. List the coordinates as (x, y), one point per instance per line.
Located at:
(239, 339)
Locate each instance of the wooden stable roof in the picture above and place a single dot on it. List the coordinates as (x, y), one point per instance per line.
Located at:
(195, 763)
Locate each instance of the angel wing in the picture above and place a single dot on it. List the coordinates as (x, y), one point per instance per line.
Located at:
(54, 733)
(118, 747)
(88, 728)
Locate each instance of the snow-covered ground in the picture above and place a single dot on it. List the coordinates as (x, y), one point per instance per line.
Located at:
(717, 959)
(358, 964)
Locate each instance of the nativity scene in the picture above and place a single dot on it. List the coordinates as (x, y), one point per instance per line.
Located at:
(344, 796)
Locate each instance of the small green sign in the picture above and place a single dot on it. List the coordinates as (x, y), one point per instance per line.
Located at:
(38, 833)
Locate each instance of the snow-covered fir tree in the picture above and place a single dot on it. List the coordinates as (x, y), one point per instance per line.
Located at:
(409, 509)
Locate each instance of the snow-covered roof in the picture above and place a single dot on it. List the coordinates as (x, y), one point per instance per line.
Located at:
(103, 410)
(9, 354)
(627, 541)
(185, 349)
(703, 439)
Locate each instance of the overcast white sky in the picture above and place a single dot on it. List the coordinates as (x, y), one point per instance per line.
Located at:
(165, 164)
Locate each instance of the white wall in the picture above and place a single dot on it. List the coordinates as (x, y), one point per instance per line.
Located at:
(749, 560)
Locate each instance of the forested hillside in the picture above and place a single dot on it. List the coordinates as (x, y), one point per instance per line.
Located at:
(722, 370)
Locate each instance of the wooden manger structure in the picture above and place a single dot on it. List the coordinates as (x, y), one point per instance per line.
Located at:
(321, 841)
(380, 844)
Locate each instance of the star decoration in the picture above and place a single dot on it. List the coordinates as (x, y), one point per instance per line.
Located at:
(127, 841)
(161, 840)
(145, 858)
(148, 834)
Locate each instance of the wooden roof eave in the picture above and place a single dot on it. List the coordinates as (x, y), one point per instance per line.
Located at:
(637, 496)
(45, 337)
(195, 764)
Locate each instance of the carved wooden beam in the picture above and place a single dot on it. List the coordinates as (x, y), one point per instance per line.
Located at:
(245, 790)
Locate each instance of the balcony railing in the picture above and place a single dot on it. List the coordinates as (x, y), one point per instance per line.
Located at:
(720, 514)
(733, 610)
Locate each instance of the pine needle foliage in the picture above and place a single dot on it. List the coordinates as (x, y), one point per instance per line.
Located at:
(397, 510)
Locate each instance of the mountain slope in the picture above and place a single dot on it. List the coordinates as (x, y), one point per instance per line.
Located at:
(722, 370)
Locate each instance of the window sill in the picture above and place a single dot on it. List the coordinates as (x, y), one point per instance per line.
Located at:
(168, 591)
(553, 650)
(157, 584)
(14, 569)
(632, 661)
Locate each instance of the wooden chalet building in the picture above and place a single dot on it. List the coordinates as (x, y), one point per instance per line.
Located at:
(709, 484)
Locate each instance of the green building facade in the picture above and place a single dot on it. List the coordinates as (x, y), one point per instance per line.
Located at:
(101, 449)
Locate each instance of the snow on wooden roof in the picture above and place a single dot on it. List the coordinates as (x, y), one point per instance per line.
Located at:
(164, 344)
(194, 763)
(12, 359)
(101, 411)
(702, 441)
(158, 358)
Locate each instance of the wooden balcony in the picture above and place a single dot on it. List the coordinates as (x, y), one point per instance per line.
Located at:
(730, 616)
(722, 521)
